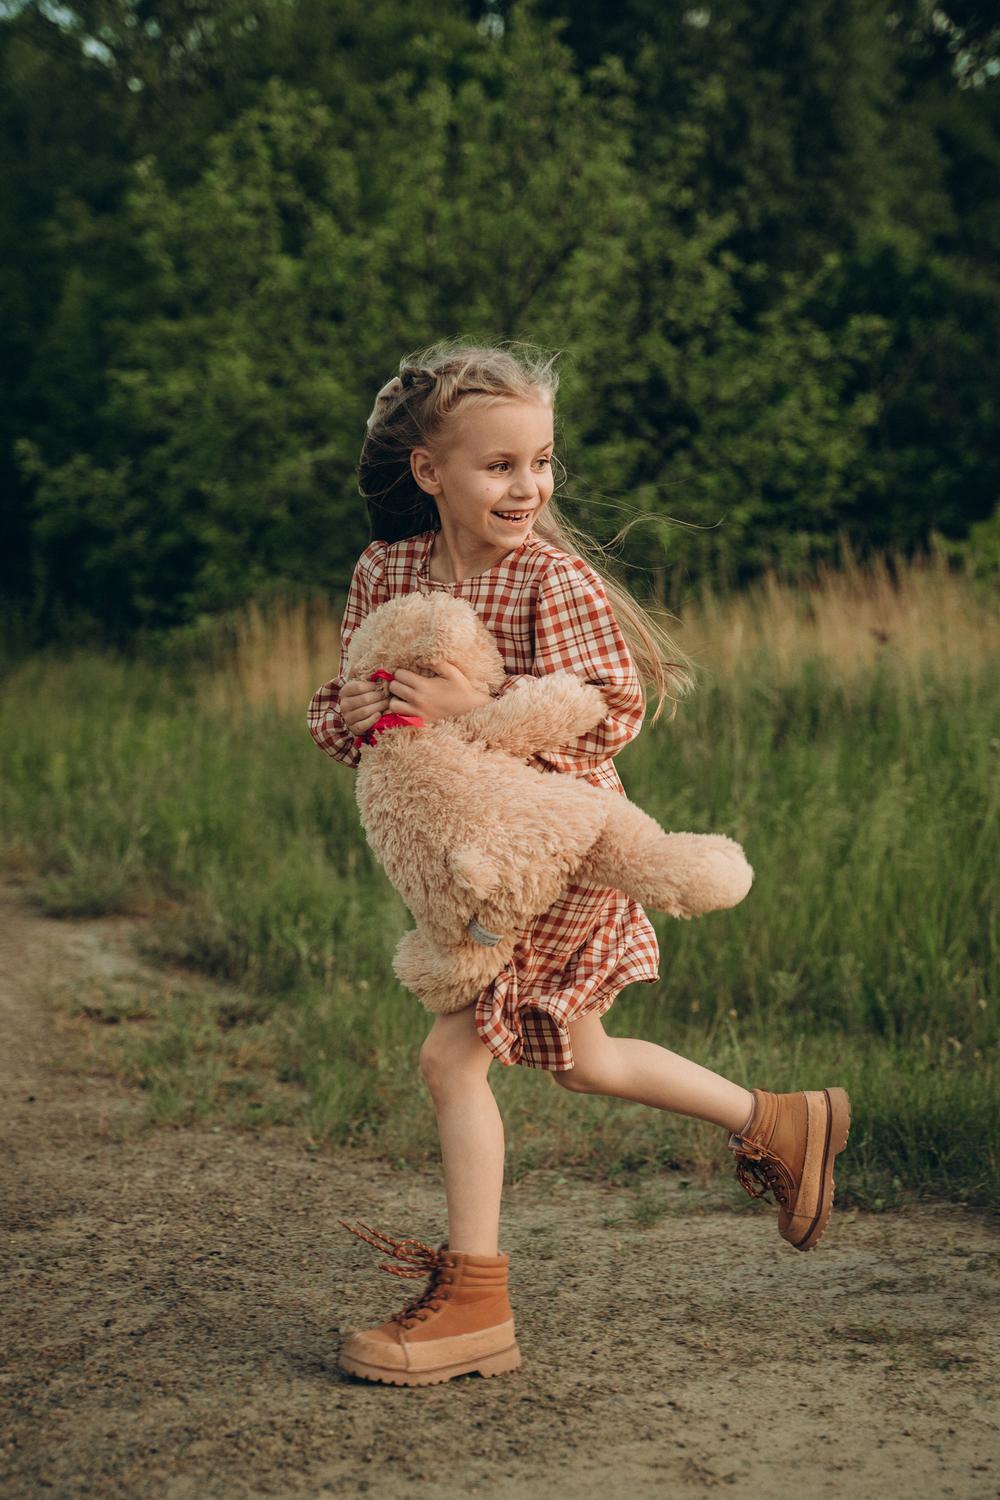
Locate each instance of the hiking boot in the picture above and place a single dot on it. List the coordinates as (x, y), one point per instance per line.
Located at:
(462, 1321)
(789, 1147)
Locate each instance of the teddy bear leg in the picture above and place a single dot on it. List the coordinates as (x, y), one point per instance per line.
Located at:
(683, 874)
(446, 979)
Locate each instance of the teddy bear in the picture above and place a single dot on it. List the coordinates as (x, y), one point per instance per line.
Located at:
(478, 841)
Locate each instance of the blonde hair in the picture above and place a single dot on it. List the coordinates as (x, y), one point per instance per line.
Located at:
(412, 410)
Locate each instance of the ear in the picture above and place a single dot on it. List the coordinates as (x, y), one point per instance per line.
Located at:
(474, 870)
(424, 470)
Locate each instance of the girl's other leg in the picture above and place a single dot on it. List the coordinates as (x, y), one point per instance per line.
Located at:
(454, 1062)
(629, 1068)
(788, 1142)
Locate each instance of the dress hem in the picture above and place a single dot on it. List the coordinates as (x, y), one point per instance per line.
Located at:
(521, 1048)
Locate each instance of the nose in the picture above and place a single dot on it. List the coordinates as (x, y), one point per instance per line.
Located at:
(522, 484)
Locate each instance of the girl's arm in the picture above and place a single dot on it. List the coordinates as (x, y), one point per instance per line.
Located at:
(326, 722)
(576, 631)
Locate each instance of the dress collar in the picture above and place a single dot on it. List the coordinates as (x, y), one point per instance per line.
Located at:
(423, 565)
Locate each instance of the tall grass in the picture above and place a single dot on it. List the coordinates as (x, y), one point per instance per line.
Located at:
(848, 733)
(901, 614)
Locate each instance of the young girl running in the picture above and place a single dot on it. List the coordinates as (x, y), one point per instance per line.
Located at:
(456, 469)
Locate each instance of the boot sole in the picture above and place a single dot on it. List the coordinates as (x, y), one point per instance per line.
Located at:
(490, 1364)
(837, 1108)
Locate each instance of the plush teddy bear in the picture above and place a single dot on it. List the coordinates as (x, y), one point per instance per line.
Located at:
(477, 841)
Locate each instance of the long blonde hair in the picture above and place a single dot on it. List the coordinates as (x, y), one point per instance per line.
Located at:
(411, 411)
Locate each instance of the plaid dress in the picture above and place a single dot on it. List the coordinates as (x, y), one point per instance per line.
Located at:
(546, 610)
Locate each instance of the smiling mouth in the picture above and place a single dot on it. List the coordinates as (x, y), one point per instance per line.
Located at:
(514, 518)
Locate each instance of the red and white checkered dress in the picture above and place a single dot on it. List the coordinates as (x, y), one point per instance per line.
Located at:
(547, 610)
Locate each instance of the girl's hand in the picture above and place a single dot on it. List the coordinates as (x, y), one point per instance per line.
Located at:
(443, 693)
(362, 704)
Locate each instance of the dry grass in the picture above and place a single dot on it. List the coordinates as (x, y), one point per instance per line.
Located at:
(918, 617)
(281, 655)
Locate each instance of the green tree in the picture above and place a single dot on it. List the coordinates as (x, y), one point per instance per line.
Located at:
(766, 238)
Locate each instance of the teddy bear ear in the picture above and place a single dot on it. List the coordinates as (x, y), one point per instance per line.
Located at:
(474, 870)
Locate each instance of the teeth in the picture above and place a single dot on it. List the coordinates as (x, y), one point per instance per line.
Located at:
(512, 515)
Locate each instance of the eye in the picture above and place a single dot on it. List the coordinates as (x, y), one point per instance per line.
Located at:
(501, 463)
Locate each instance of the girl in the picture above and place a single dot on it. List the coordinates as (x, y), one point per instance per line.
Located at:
(456, 469)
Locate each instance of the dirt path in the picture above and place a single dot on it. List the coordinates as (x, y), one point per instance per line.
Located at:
(172, 1305)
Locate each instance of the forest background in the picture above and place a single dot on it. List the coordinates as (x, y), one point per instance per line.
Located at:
(766, 236)
(767, 239)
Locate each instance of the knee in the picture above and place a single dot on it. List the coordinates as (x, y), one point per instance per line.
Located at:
(431, 1063)
(574, 1080)
(441, 1065)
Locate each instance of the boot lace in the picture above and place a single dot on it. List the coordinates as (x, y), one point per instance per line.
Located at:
(759, 1173)
(419, 1259)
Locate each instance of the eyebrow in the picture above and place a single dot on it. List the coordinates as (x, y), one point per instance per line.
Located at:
(509, 453)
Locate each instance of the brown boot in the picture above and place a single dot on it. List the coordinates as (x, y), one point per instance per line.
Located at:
(789, 1147)
(461, 1322)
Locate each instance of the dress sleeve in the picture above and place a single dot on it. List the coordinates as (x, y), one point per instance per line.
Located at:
(326, 724)
(576, 631)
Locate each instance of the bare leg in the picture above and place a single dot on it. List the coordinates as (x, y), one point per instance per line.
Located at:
(628, 1068)
(454, 1063)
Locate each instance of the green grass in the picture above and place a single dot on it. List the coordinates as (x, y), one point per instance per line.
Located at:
(866, 954)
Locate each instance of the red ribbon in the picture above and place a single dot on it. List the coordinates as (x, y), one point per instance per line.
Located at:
(387, 721)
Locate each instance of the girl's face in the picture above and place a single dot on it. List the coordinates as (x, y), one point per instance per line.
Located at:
(490, 460)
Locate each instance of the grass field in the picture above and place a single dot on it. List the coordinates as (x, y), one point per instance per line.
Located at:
(848, 734)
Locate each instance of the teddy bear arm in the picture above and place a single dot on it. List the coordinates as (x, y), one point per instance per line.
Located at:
(543, 713)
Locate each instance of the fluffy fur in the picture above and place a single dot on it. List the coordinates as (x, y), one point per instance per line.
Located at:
(468, 833)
